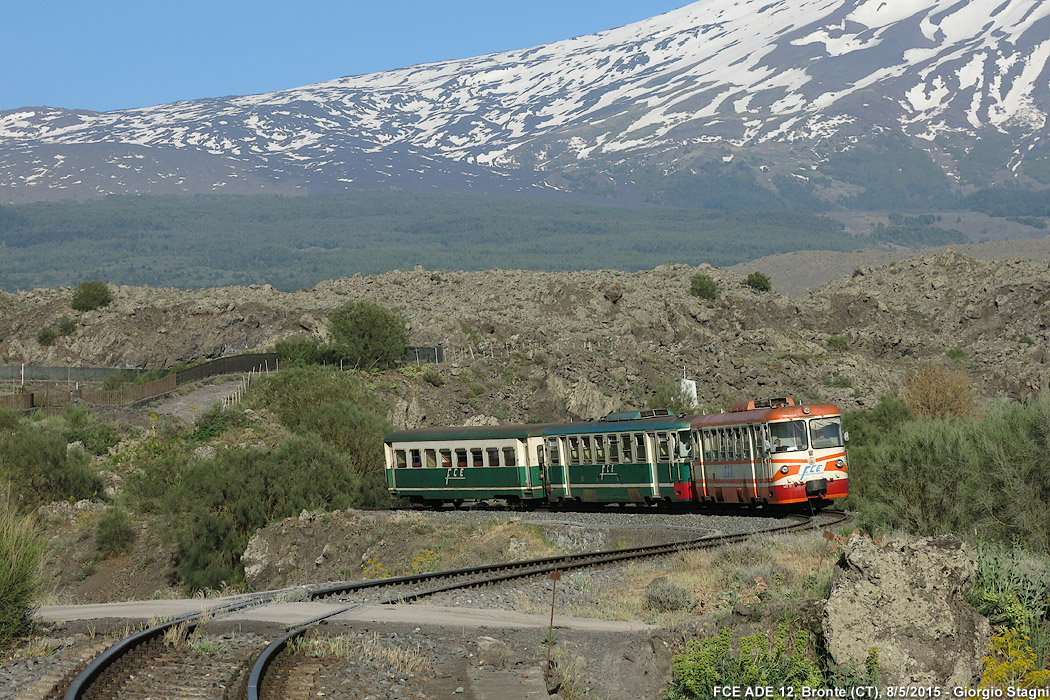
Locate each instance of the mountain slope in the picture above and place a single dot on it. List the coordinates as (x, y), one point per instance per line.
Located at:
(761, 75)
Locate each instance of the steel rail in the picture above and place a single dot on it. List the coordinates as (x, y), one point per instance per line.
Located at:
(80, 685)
(532, 567)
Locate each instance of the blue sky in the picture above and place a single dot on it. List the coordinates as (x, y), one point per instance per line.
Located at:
(115, 54)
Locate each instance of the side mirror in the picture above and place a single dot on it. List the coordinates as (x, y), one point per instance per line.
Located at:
(845, 436)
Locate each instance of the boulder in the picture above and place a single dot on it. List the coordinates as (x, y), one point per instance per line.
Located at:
(907, 598)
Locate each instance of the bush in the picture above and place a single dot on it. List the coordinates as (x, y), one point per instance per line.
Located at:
(367, 335)
(663, 596)
(66, 326)
(838, 343)
(1012, 587)
(983, 478)
(86, 428)
(703, 286)
(218, 504)
(215, 421)
(114, 534)
(710, 662)
(21, 548)
(667, 395)
(306, 351)
(46, 336)
(92, 295)
(939, 392)
(759, 282)
(41, 468)
(1012, 664)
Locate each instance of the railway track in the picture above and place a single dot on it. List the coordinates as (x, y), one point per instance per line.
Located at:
(143, 665)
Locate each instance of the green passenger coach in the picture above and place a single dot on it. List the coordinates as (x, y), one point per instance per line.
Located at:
(632, 457)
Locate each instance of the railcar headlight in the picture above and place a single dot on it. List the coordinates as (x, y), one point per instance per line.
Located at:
(784, 469)
(839, 463)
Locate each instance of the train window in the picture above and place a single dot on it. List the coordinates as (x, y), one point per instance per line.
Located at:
(789, 436)
(417, 462)
(432, 459)
(614, 449)
(574, 450)
(745, 443)
(685, 445)
(493, 457)
(477, 457)
(639, 444)
(509, 458)
(553, 453)
(662, 447)
(760, 439)
(709, 446)
(586, 450)
(400, 459)
(827, 432)
(446, 459)
(599, 449)
(461, 457)
(625, 445)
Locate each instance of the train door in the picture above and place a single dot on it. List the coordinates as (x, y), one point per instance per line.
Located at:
(763, 460)
(555, 469)
(701, 446)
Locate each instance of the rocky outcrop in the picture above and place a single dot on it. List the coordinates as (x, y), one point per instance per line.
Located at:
(536, 346)
(907, 599)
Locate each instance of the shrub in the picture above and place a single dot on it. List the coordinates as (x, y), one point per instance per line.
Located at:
(1011, 664)
(368, 335)
(939, 392)
(41, 468)
(218, 504)
(46, 336)
(710, 662)
(667, 395)
(86, 428)
(92, 295)
(66, 326)
(21, 548)
(1012, 587)
(215, 421)
(931, 476)
(838, 343)
(663, 596)
(703, 286)
(306, 351)
(114, 534)
(759, 282)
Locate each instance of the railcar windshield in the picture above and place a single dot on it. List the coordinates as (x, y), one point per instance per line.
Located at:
(827, 432)
(788, 436)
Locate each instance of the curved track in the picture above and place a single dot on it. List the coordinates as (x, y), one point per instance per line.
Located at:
(105, 676)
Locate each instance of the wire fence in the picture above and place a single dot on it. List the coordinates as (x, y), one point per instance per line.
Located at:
(49, 392)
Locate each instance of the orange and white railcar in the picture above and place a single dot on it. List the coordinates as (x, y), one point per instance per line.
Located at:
(771, 452)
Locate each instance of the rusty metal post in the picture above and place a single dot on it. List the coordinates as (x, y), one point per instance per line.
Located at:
(555, 576)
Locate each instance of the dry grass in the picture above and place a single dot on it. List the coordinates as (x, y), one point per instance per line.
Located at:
(761, 570)
(371, 649)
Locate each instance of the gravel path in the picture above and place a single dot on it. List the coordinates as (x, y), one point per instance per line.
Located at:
(189, 406)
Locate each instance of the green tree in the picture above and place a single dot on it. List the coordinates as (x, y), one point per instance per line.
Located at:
(703, 286)
(91, 295)
(759, 282)
(368, 335)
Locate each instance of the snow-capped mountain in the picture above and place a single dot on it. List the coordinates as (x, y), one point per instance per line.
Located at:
(784, 82)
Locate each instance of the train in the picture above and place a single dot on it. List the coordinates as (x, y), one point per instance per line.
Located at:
(766, 453)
